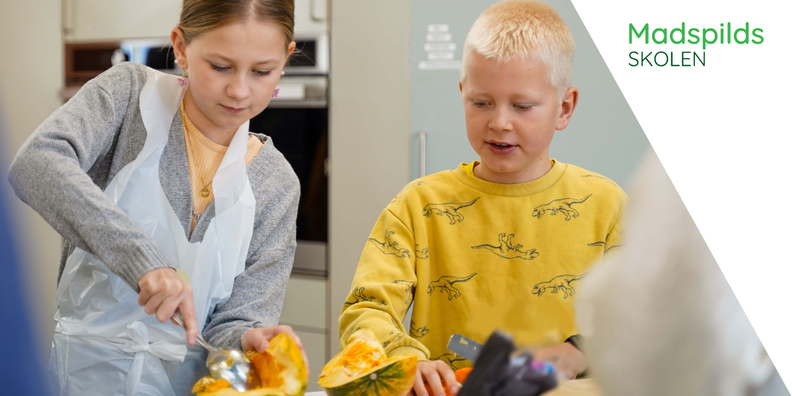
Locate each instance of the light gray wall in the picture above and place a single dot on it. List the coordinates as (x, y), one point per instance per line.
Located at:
(31, 72)
(369, 130)
(603, 135)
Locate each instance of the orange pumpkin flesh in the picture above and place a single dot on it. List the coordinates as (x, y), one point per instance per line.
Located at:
(362, 368)
(280, 369)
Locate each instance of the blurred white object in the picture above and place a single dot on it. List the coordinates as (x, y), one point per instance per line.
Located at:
(659, 317)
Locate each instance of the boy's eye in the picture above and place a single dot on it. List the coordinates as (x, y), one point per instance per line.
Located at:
(479, 103)
(523, 107)
(261, 73)
(219, 68)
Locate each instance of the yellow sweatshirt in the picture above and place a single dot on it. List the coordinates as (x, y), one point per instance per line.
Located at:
(474, 256)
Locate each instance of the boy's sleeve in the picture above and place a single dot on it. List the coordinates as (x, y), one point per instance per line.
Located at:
(615, 238)
(383, 288)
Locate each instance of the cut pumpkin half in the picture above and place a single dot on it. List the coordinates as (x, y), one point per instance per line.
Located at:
(281, 371)
(363, 369)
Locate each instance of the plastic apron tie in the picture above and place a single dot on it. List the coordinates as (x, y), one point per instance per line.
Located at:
(138, 344)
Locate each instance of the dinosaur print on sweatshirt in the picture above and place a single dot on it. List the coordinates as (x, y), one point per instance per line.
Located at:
(390, 247)
(407, 289)
(407, 187)
(563, 205)
(421, 254)
(359, 296)
(602, 244)
(452, 359)
(450, 209)
(560, 282)
(398, 337)
(418, 332)
(446, 284)
(507, 251)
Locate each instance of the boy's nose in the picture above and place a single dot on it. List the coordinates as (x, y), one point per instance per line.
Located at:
(501, 120)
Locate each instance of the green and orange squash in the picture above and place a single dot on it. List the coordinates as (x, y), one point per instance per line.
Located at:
(280, 369)
(363, 369)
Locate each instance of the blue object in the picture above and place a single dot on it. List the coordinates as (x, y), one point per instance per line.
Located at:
(23, 375)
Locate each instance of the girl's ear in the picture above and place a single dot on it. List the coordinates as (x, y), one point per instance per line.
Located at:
(292, 46)
(179, 47)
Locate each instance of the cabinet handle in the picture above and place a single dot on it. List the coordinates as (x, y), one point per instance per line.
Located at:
(319, 10)
(422, 154)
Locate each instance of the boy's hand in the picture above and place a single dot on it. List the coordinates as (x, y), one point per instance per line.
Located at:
(564, 357)
(432, 372)
(162, 291)
(258, 340)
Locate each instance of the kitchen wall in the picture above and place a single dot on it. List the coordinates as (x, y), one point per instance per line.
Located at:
(31, 72)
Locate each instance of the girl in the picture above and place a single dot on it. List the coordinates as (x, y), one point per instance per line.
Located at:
(167, 202)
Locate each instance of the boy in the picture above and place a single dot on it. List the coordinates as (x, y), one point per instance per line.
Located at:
(513, 232)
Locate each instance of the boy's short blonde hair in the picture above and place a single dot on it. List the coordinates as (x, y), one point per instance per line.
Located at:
(524, 29)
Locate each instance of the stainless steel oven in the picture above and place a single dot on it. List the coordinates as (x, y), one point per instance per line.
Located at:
(297, 121)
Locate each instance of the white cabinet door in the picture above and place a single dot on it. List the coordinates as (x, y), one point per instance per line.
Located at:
(107, 20)
(310, 16)
(315, 346)
(305, 310)
(305, 303)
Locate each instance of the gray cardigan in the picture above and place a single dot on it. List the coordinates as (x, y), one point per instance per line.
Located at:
(64, 166)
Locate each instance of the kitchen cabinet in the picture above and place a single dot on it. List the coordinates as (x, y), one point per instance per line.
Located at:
(315, 346)
(310, 16)
(107, 20)
(305, 303)
(103, 20)
(305, 310)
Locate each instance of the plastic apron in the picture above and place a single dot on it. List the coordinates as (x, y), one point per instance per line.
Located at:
(104, 343)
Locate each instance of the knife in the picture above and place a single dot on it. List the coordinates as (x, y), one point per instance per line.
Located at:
(464, 347)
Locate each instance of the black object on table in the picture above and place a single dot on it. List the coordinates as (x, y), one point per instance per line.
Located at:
(498, 373)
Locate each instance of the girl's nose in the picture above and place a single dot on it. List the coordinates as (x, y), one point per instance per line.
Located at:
(238, 88)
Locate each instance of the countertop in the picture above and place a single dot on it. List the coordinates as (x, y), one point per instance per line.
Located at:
(584, 387)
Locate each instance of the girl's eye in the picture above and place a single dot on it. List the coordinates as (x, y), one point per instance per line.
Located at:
(219, 68)
(261, 73)
(479, 103)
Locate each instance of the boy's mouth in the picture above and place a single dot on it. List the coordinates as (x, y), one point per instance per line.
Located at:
(501, 148)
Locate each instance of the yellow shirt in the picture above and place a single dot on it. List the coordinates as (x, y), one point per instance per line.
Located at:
(204, 157)
(474, 256)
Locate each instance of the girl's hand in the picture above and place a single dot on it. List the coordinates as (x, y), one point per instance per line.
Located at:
(162, 291)
(432, 372)
(258, 340)
(564, 357)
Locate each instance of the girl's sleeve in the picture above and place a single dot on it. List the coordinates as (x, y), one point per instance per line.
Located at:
(257, 296)
(50, 173)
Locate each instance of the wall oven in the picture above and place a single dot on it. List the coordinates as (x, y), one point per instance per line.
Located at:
(297, 121)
